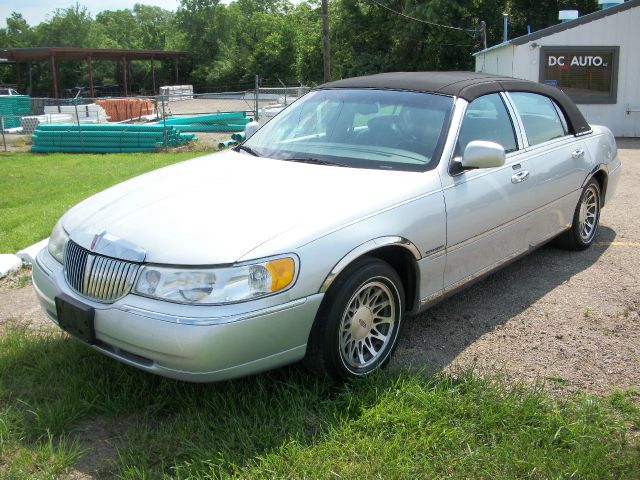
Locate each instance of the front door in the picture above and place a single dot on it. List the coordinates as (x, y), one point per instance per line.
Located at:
(486, 208)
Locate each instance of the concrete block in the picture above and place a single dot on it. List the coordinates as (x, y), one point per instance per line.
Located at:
(8, 263)
(28, 255)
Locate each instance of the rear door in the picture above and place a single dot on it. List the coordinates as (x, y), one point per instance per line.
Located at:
(561, 161)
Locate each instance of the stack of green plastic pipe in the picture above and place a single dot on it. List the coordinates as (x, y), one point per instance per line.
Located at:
(227, 144)
(104, 138)
(12, 107)
(215, 122)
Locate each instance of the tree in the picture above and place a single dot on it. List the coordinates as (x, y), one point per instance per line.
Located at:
(540, 14)
(18, 32)
(229, 44)
(121, 28)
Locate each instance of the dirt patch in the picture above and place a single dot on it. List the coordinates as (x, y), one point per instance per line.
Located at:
(210, 140)
(19, 303)
(568, 318)
(16, 279)
(15, 143)
(99, 439)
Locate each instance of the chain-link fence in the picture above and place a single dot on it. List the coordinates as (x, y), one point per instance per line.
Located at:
(177, 107)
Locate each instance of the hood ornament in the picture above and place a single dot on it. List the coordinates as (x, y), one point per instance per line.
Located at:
(96, 240)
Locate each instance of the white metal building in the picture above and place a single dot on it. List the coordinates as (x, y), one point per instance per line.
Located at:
(595, 59)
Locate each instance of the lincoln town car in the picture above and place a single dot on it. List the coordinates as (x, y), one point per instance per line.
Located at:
(354, 209)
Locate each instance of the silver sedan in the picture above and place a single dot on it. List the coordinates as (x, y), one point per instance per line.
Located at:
(363, 203)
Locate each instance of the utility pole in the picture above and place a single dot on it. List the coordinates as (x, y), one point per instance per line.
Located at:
(326, 57)
(505, 27)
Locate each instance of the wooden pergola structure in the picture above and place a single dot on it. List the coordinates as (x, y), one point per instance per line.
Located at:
(54, 55)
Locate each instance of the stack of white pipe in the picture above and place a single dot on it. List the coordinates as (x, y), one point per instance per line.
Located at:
(177, 92)
(89, 113)
(31, 122)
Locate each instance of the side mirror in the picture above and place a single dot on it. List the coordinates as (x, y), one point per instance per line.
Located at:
(483, 154)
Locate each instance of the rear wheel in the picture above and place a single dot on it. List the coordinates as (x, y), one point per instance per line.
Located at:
(357, 327)
(585, 220)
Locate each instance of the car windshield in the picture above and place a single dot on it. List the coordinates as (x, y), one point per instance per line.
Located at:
(364, 128)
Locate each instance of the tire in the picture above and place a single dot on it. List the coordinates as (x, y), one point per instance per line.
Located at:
(338, 347)
(585, 220)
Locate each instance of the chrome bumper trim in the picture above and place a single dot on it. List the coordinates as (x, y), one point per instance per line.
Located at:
(204, 321)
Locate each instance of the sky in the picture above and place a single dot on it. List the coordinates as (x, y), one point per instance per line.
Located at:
(35, 11)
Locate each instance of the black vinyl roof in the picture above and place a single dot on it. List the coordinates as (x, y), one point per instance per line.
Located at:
(467, 85)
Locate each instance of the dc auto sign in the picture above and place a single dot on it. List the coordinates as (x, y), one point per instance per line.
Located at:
(576, 61)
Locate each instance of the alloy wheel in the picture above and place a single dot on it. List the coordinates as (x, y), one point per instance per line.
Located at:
(588, 217)
(367, 324)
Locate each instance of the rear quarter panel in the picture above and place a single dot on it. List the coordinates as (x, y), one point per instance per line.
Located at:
(604, 152)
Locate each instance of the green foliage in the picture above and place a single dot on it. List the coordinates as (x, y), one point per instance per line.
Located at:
(278, 39)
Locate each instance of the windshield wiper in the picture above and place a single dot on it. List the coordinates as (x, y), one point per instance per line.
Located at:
(248, 150)
(315, 161)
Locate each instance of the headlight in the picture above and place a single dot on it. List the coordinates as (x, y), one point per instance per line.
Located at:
(216, 285)
(57, 242)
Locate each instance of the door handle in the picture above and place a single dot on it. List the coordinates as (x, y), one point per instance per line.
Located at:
(579, 153)
(520, 177)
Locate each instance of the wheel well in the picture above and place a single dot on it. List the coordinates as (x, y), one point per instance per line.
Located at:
(601, 178)
(404, 263)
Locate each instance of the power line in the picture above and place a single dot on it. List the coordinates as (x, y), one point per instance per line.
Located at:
(427, 22)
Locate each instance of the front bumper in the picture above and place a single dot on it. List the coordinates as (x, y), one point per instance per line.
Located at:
(203, 345)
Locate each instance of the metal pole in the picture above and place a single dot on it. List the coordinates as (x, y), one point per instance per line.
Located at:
(4, 140)
(54, 75)
(75, 104)
(90, 71)
(19, 77)
(285, 90)
(505, 27)
(30, 90)
(153, 76)
(124, 72)
(326, 55)
(257, 94)
(164, 123)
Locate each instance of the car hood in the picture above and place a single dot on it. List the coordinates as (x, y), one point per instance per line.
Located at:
(216, 208)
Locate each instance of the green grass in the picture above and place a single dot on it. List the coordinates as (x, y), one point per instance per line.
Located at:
(35, 190)
(288, 424)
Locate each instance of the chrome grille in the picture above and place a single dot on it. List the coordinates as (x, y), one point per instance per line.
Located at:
(97, 277)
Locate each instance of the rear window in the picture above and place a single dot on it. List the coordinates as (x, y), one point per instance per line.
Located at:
(539, 116)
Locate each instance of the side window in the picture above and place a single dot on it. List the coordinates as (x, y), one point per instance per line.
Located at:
(487, 119)
(539, 116)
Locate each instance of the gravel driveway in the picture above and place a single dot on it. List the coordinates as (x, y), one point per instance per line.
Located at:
(569, 318)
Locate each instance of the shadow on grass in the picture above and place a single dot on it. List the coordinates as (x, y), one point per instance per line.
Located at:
(433, 339)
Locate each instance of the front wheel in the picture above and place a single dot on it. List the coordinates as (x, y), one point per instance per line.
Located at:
(358, 324)
(585, 220)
